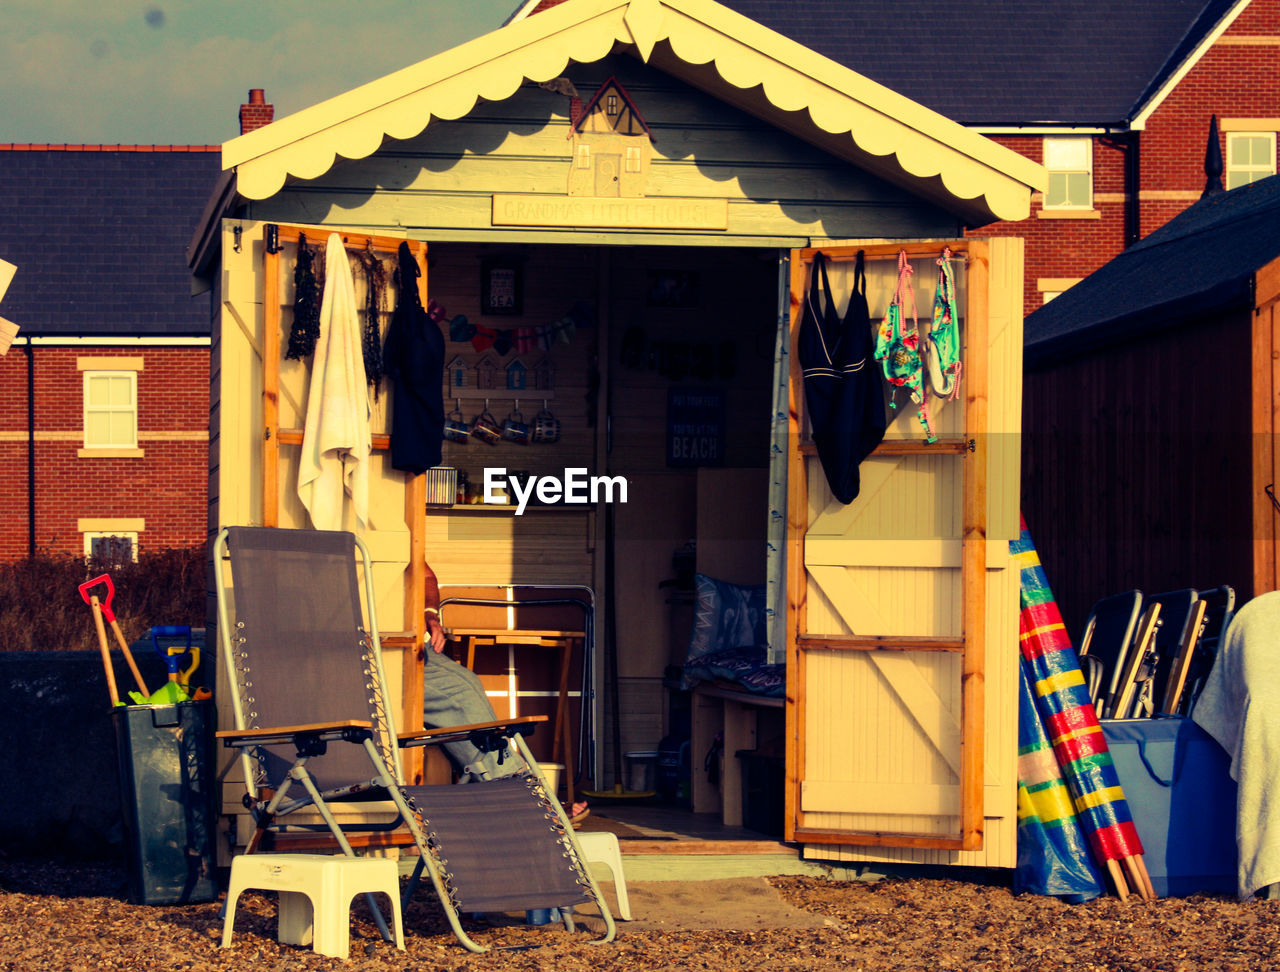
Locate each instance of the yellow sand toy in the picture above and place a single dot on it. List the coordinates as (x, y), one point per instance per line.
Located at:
(178, 688)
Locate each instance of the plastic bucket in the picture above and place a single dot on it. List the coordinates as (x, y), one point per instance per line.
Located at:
(642, 767)
(552, 772)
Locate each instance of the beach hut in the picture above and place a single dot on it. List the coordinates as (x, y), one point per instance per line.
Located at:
(895, 617)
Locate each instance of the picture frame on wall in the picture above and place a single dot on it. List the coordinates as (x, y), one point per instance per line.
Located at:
(695, 426)
(501, 286)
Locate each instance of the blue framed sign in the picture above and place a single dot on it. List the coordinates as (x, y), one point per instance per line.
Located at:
(695, 426)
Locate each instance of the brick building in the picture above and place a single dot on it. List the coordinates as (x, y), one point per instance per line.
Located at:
(1140, 170)
(1115, 99)
(104, 408)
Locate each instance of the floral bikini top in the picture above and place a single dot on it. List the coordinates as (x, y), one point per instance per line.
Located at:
(942, 352)
(898, 347)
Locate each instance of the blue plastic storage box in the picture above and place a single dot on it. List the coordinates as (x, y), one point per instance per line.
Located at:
(1178, 784)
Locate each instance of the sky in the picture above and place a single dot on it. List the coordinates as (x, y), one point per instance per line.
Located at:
(175, 72)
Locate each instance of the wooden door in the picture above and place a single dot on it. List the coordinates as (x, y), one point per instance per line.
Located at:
(897, 602)
(397, 545)
(608, 170)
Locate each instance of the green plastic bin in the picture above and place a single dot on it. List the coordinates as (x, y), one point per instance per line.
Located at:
(165, 756)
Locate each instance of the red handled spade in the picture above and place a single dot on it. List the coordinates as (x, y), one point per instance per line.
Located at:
(103, 609)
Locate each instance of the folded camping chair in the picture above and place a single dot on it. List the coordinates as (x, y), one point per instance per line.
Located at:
(1220, 608)
(1176, 611)
(1108, 633)
(1138, 656)
(303, 657)
(1182, 622)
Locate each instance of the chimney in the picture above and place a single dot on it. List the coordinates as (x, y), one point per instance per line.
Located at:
(256, 112)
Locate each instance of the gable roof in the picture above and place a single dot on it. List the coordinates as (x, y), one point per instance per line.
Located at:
(99, 236)
(1203, 259)
(992, 63)
(616, 86)
(705, 44)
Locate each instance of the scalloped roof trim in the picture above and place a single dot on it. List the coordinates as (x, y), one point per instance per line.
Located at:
(877, 121)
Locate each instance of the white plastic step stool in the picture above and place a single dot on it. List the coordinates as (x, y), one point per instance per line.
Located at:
(601, 847)
(316, 891)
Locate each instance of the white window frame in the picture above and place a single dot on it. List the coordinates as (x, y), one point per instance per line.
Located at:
(1051, 287)
(1254, 170)
(130, 535)
(132, 408)
(1057, 146)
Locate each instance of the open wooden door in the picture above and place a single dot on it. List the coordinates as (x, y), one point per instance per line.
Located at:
(902, 607)
(397, 546)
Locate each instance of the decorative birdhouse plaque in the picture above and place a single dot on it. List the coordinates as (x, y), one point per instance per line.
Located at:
(544, 375)
(457, 371)
(486, 370)
(517, 375)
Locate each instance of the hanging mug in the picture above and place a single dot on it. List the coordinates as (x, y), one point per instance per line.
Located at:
(546, 427)
(456, 428)
(486, 428)
(516, 429)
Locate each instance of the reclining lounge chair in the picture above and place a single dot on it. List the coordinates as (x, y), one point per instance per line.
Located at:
(300, 640)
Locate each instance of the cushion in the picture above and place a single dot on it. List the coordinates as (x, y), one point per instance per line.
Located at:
(725, 616)
(745, 667)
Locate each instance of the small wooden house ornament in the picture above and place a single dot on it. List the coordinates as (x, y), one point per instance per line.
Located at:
(457, 372)
(612, 145)
(544, 374)
(486, 370)
(517, 375)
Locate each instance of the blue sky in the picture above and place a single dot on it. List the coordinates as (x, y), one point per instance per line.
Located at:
(176, 71)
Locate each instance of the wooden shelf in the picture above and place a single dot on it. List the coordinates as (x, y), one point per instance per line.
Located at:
(381, 440)
(499, 394)
(878, 643)
(947, 446)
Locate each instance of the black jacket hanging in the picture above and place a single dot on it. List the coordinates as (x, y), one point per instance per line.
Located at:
(413, 358)
(842, 390)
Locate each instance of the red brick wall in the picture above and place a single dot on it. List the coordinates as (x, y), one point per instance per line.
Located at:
(1067, 247)
(1232, 81)
(167, 486)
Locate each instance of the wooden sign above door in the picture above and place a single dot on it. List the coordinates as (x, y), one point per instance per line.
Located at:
(610, 212)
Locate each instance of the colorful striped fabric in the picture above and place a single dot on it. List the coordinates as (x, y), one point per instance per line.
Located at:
(1053, 856)
(1063, 704)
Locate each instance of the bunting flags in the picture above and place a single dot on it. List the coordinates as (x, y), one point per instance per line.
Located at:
(521, 339)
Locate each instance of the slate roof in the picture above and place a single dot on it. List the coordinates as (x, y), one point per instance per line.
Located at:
(1202, 260)
(99, 237)
(984, 62)
(1002, 62)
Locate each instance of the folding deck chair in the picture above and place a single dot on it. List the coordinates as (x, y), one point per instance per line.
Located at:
(1220, 608)
(1183, 622)
(1138, 654)
(1162, 666)
(303, 657)
(1108, 635)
